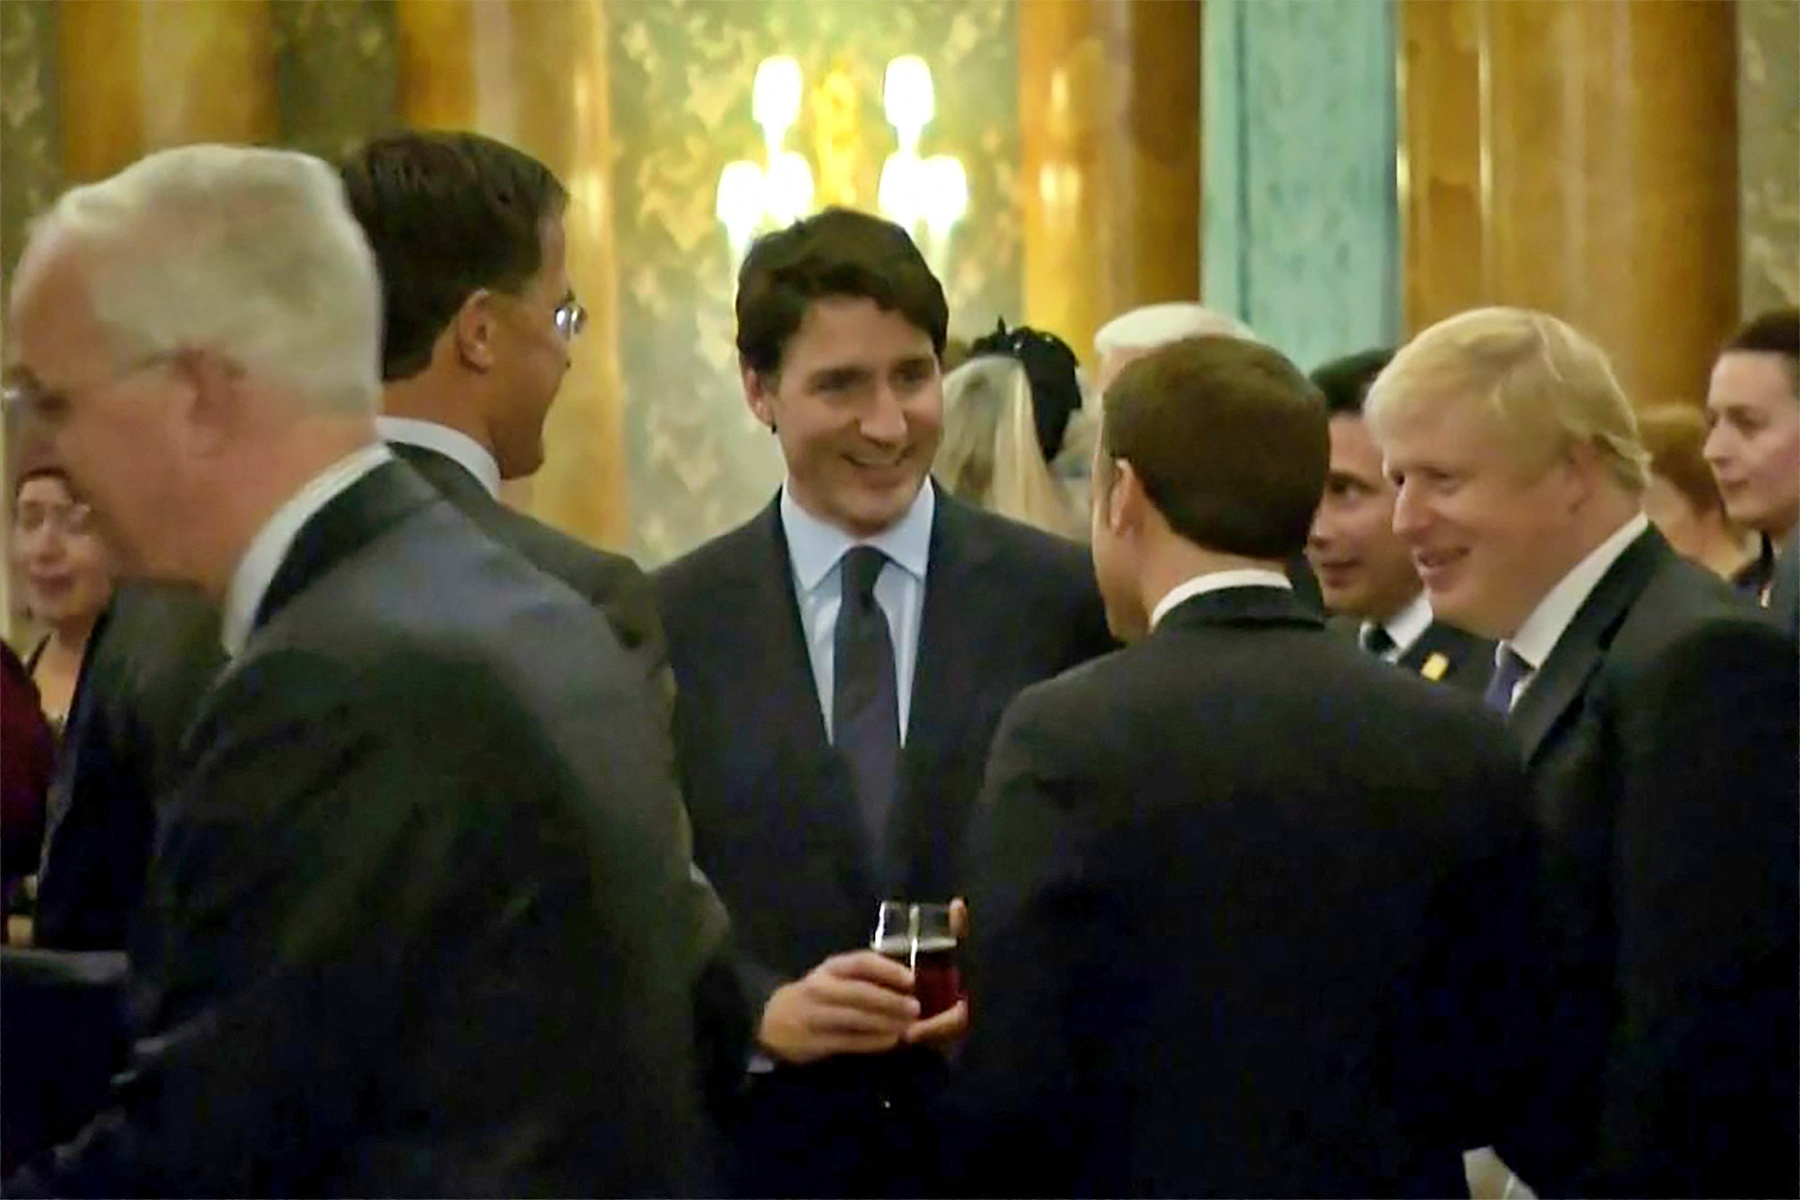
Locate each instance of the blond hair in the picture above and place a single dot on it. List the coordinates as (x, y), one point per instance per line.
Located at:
(989, 455)
(1546, 386)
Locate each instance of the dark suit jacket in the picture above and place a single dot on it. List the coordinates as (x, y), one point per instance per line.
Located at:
(150, 660)
(1661, 736)
(1239, 935)
(409, 920)
(1442, 654)
(775, 822)
(613, 583)
(1784, 589)
(616, 586)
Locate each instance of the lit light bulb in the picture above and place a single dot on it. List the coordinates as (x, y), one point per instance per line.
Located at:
(908, 98)
(775, 98)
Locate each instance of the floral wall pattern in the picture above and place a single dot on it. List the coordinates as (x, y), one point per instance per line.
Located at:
(681, 74)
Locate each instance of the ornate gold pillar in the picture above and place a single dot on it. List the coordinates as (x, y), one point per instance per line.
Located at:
(534, 75)
(137, 76)
(1110, 105)
(1577, 156)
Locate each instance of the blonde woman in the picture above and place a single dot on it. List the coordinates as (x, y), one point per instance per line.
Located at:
(1016, 436)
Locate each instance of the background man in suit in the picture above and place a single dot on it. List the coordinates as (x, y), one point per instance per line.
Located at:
(1658, 718)
(841, 661)
(1365, 571)
(1233, 934)
(1131, 335)
(465, 230)
(408, 919)
(468, 236)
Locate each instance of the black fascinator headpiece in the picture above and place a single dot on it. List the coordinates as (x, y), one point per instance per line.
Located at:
(1050, 368)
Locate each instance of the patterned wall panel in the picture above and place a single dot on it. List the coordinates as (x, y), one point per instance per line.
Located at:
(30, 142)
(336, 72)
(1300, 223)
(681, 75)
(1769, 151)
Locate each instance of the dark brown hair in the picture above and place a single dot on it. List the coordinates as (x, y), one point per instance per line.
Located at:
(1229, 439)
(1345, 382)
(1675, 435)
(1774, 332)
(447, 214)
(837, 252)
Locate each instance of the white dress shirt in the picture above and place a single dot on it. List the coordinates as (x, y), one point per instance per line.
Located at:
(1538, 634)
(816, 552)
(453, 444)
(1217, 581)
(256, 569)
(1404, 627)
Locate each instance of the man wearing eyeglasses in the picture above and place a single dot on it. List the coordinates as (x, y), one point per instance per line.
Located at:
(478, 321)
(417, 915)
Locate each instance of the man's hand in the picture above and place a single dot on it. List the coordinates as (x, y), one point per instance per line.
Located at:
(855, 1003)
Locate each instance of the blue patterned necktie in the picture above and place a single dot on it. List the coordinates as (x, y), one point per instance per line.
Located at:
(865, 703)
(1509, 671)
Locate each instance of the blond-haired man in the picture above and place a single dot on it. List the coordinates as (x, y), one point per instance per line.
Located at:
(1657, 716)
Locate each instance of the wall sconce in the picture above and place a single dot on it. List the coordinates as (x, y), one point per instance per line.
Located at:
(913, 191)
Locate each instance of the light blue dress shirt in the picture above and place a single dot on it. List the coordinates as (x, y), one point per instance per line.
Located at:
(816, 552)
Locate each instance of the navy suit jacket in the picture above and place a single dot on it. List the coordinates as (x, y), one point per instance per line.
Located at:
(775, 822)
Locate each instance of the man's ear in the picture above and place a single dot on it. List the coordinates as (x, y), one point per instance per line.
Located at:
(1583, 473)
(472, 330)
(211, 408)
(759, 393)
(1126, 501)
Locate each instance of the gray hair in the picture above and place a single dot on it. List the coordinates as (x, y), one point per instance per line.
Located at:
(249, 252)
(1158, 325)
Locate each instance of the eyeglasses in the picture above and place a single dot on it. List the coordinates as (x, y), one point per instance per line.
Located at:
(71, 520)
(571, 318)
(37, 403)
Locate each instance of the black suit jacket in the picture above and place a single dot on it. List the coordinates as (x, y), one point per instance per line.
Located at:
(1784, 589)
(1448, 655)
(616, 586)
(613, 583)
(1661, 736)
(775, 824)
(150, 660)
(411, 908)
(1442, 654)
(1249, 915)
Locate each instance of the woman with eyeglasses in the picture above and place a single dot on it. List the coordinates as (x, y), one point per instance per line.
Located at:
(65, 572)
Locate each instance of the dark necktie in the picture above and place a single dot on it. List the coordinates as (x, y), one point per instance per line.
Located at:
(1377, 640)
(865, 705)
(1508, 672)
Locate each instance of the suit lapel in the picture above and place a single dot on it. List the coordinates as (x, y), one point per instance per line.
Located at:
(1437, 654)
(345, 525)
(1577, 654)
(948, 686)
(779, 673)
(446, 476)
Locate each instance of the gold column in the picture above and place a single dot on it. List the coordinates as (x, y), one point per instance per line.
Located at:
(534, 75)
(137, 76)
(1577, 156)
(1110, 105)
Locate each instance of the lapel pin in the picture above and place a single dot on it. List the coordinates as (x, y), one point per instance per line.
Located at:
(1434, 667)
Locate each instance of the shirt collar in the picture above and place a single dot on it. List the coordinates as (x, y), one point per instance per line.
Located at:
(453, 444)
(1540, 632)
(256, 569)
(815, 546)
(1408, 625)
(1217, 581)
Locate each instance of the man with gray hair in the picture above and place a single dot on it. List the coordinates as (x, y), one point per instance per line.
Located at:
(407, 923)
(1129, 336)
(1657, 717)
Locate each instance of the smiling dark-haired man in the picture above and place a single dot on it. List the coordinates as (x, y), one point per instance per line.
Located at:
(841, 661)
